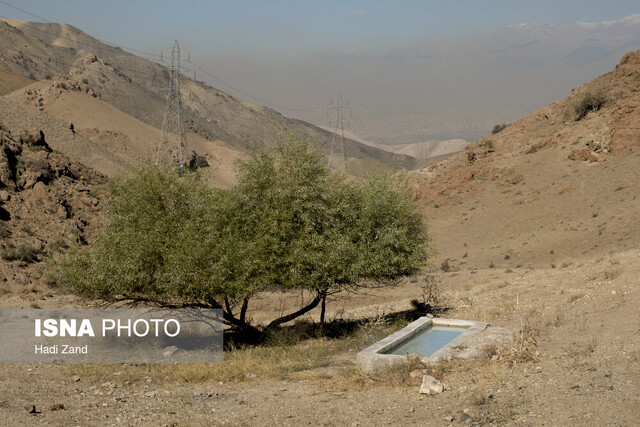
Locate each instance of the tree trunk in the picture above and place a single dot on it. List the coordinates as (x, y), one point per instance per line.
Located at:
(240, 323)
(323, 307)
(243, 310)
(284, 319)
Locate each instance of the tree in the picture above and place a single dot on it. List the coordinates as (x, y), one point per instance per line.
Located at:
(289, 225)
(153, 214)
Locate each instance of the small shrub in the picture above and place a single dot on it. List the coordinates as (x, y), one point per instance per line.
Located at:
(58, 245)
(4, 230)
(533, 149)
(24, 253)
(197, 162)
(78, 234)
(498, 128)
(488, 144)
(480, 399)
(590, 102)
(447, 267)
(523, 348)
(37, 165)
(27, 138)
(431, 291)
(26, 229)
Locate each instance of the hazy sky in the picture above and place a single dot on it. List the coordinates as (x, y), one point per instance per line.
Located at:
(287, 30)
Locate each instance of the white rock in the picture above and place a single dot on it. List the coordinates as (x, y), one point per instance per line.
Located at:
(431, 385)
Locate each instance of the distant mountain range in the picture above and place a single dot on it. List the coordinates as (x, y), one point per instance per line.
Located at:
(137, 87)
(444, 90)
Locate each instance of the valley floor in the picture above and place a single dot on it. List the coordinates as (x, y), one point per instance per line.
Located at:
(574, 361)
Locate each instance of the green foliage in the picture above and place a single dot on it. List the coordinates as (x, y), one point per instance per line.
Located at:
(289, 224)
(590, 102)
(300, 227)
(150, 213)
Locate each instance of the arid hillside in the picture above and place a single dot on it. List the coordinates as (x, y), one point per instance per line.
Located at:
(137, 87)
(10, 81)
(126, 139)
(47, 203)
(558, 185)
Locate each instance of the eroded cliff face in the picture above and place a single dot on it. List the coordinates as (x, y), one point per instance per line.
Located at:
(46, 204)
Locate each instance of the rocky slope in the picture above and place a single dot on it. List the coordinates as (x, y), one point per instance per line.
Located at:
(137, 86)
(47, 202)
(126, 139)
(553, 186)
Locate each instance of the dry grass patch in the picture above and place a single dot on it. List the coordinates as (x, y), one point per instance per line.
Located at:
(395, 375)
(493, 412)
(240, 364)
(524, 346)
(284, 354)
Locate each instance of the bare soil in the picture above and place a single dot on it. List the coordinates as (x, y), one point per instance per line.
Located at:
(578, 365)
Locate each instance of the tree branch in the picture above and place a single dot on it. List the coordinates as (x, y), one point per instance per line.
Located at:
(240, 323)
(284, 319)
(243, 310)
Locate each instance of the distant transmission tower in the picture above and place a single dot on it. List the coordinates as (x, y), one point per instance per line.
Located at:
(339, 110)
(171, 149)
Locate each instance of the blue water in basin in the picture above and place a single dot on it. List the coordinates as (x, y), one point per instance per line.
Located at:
(428, 341)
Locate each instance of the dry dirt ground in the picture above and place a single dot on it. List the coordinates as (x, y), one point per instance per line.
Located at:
(576, 362)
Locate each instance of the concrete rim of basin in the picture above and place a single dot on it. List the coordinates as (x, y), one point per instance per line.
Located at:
(374, 357)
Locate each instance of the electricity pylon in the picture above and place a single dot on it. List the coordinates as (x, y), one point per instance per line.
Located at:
(339, 109)
(171, 148)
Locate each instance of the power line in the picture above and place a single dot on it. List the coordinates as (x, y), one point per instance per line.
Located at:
(263, 101)
(153, 57)
(153, 60)
(49, 59)
(87, 44)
